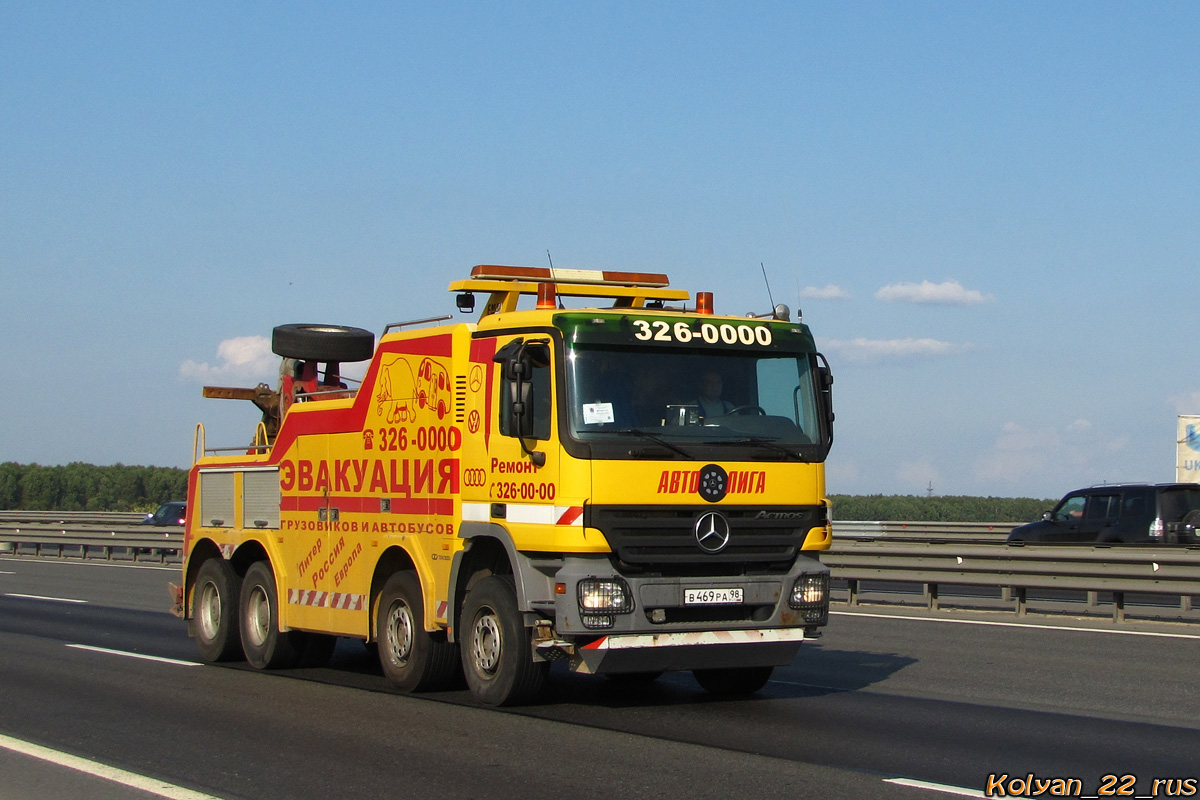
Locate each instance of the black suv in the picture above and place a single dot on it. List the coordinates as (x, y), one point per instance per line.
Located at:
(1164, 513)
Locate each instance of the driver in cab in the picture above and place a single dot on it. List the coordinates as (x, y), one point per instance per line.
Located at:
(710, 402)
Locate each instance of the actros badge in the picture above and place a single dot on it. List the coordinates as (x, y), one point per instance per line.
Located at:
(714, 482)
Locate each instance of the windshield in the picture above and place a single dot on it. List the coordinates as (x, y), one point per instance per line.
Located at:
(759, 404)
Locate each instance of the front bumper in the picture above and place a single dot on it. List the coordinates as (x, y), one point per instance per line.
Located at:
(662, 652)
(660, 631)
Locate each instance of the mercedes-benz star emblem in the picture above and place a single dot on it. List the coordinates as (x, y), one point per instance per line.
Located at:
(712, 532)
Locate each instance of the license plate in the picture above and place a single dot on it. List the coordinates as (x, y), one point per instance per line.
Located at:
(713, 597)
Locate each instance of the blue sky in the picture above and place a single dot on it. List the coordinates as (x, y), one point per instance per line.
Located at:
(987, 211)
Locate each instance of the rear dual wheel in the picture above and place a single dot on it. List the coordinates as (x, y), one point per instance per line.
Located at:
(235, 617)
(215, 611)
(265, 646)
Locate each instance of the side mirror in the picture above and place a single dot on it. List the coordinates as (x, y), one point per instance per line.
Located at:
(825, 387)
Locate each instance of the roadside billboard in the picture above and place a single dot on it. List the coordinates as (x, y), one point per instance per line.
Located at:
(1187, 449)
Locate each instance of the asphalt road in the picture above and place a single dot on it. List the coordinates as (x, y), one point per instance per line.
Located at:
(948, 699)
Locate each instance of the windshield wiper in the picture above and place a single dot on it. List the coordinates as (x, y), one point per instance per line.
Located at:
(656, 439)
(767, 443)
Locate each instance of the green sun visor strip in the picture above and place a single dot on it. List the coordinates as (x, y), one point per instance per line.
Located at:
(657, 330)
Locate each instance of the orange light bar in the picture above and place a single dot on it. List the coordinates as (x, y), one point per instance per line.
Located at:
(546, 295)
(656, 280)
(704, 302)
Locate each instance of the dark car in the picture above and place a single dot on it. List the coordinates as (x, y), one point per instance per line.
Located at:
(167, 514)
(1134, 513)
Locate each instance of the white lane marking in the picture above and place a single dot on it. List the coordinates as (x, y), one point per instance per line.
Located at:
(936, 787)
(1035, 625)
(40, 597)
(141, 656)
(96, 769)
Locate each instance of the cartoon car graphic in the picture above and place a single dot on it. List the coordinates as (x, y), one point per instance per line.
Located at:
(433, 387)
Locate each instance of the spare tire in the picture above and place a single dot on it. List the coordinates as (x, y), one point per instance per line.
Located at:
(322, 342)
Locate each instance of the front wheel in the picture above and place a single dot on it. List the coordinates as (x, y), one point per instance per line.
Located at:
(265, 645)
(215, 611)
(733, 680)
(412, 659)
(497, 654)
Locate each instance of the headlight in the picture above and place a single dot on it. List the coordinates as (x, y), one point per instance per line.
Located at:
(604, 596)
(810, 594)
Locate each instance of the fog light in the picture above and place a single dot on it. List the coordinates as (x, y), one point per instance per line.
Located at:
(605, 596)
(596, 620)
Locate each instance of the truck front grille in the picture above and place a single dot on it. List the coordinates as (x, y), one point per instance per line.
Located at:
(649, 536)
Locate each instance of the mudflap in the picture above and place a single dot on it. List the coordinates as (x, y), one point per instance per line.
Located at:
(176, 595)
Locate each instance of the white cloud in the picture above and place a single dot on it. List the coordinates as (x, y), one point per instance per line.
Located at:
(242, 358)
(1186, 403)
(1020, 453)
(840, 470)
(918, 476)
(948, 293)
(869, 351)
(829, 292)
(1043, 456)
(1079, 426)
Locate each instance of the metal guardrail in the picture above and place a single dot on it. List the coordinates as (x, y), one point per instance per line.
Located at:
(72, 517)
(85, 535)
(934, 556)
(961, 532)
(1018, 568)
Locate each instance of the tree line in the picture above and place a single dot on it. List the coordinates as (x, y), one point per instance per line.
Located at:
(918, 508)
(86, 487)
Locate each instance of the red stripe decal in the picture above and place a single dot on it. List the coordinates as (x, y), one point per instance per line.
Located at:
(443, 506)
(570, 515)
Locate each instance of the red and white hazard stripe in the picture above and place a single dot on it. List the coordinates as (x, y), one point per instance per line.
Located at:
(336, 600)
(528, 513)
(643, 640)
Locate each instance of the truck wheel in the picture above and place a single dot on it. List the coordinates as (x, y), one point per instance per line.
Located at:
(733, 680)
(215, 611)
(411, 658)
(497, 654)
(322, 342)
(266, 646)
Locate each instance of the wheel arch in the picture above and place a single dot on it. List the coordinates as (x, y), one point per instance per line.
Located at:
(490, 550)
(394, 559)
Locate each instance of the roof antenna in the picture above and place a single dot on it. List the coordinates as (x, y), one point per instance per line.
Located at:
(780, 312)
(768, 283)
(553, 278)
